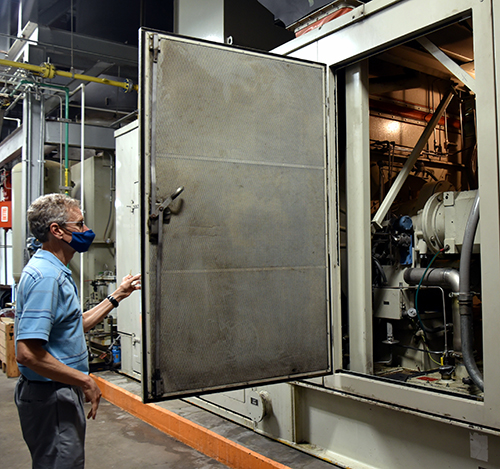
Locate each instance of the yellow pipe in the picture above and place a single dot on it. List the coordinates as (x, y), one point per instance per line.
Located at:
(49, 71)
(125, 85)
(10, 63)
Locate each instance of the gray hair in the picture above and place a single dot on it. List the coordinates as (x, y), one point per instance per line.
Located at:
(48, 209)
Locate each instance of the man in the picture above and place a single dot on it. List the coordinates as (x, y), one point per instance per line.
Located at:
(50, 341)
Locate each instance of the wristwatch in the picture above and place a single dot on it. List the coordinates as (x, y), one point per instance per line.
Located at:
(113, 301)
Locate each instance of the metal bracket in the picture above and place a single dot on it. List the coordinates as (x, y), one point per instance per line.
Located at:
(449, 63)
(132, 206)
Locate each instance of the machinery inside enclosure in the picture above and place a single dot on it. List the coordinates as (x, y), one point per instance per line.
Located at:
(424, 217)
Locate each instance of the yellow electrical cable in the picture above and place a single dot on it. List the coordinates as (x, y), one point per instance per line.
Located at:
(430, 355)
(428, 350)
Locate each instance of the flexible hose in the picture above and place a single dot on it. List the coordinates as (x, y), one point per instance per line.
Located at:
(465, 296)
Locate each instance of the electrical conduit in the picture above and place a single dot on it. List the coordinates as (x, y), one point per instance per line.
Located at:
(465, 296)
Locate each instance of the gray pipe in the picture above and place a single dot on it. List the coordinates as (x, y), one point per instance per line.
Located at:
(441, 277)
(447, 278)
(465, 297)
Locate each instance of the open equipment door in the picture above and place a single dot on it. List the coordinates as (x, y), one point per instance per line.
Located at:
(235, 264)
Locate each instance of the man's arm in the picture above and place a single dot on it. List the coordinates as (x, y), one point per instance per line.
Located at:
(31, 354)
(94, 316)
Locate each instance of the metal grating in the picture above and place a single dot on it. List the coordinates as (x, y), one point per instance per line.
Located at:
(244, 276)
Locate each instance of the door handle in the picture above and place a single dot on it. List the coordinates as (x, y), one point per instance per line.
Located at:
(163, 213)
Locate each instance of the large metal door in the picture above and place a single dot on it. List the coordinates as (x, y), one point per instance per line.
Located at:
(235, 280)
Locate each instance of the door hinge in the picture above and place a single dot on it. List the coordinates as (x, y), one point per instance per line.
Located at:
(154, 47)
(157, 384)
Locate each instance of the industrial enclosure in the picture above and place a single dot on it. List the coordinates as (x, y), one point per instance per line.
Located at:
(317, 223)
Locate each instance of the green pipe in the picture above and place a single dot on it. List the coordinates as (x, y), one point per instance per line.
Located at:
(66, 118)
(66, 125)
(17, 87)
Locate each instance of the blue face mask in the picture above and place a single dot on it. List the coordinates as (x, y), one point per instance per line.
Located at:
(81, 242)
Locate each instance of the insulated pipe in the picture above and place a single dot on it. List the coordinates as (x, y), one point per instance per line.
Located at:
(465, 296)
(410, 162)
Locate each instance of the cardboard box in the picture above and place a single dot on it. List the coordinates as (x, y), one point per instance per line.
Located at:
(7, 348)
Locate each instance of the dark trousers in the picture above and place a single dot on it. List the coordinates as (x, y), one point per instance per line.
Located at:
(53, 423)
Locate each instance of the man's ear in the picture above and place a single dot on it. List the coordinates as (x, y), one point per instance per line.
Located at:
(56, 231)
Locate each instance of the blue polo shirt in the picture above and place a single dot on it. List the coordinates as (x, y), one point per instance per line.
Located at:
(47, 308)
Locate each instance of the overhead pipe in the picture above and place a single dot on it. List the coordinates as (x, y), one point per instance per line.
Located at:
(49, 71)
(66, 131)
(405, 110)
(465, 296)
(410, 162)
(66, 119)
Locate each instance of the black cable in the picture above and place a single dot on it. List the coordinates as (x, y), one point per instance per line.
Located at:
(419, 349)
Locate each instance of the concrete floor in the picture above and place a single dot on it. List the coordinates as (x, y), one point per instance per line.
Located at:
(117, 439)
(267, 447)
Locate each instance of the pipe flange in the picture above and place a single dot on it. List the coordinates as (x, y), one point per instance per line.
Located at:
(48, 70)
(129, 85)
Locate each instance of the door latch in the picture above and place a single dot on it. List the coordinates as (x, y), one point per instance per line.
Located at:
(162, 213)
